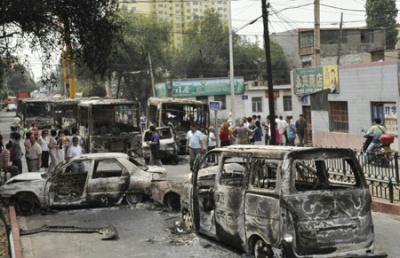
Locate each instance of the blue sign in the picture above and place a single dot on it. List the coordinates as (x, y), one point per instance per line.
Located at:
(245, 97)
(215, 105)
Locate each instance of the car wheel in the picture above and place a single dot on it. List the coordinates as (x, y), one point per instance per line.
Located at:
(26, 204)
(133, 198)
(262, 250)
(173, 201)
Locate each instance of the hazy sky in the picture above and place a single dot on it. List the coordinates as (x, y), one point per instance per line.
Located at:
(244, 11)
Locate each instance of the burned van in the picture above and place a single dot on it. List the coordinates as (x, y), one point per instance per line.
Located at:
(65, 112)
(37, 111)
(109, 125)
(282, 201)
(178, 114)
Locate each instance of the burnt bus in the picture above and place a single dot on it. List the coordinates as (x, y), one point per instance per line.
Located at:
(37, 111)
(65, 113)
(178, 114)
(109, 125)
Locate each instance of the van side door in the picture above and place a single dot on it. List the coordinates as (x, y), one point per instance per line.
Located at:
(262, 200)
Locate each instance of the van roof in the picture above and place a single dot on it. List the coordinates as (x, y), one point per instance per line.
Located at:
(278, 152)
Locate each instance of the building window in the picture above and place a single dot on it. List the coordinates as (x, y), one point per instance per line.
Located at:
(386, 112)
(203, 99)
(287, 103)
(367, 36)
(306, 39)
(256, 104)
(338, 116)
(221, 98)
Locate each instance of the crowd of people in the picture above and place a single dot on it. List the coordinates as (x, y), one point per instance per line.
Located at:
(251, 130)
(41, 150)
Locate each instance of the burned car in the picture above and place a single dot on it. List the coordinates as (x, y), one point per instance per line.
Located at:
(168, 147)
(37, 111)
(282, 201)
(89, 179)
(110, 125)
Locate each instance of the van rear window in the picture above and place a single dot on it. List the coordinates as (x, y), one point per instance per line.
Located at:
(325, 174)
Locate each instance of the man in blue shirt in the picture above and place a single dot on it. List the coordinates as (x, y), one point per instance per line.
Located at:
(194, 143)
(154, 147)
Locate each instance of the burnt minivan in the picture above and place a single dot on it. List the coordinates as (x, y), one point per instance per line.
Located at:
(275, 201)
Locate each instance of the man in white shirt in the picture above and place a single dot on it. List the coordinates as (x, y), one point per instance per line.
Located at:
(282, 125)
(34, 156)
(194, 143)
(73, 151)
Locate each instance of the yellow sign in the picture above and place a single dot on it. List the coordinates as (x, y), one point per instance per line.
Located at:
(331, 78)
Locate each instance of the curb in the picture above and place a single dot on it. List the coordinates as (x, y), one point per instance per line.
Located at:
(16, 241)
(385, 207)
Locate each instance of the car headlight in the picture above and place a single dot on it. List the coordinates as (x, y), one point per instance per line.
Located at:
(288, 238)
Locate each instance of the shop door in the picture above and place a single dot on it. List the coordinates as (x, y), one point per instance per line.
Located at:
(307, 116)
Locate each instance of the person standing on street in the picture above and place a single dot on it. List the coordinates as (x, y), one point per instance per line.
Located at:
(53, 149)
(258, 134)
(225, 135)
(143, 122)
(16, 152)
(194, 144)
(5, 161)
(27, 144)
(291, 131)
(301, 125)
(75, 149)
(242, 133)
(154, 147)
(44, 144)
(212, 143)
(281, 124)
(34, 156)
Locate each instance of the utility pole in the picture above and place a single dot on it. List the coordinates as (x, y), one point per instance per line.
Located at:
(231, 75)
(269, 71)
(339, 47)
(317, 34)
(152, 76)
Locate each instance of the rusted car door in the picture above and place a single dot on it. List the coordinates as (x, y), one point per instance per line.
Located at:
(108, 182)
(262, 200)
(229, 191)
(67, 186)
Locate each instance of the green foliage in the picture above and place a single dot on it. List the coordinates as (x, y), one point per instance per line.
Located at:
(18, 79)
(205, 53)
(382, 14)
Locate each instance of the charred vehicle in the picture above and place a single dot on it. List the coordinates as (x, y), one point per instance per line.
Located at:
(65, 112)
(282, 202)
(178, 114)
(90, 179)
(168, 146)
(37, 111)
(110, 125)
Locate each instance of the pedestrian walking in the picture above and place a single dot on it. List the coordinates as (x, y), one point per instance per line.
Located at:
(16, 152)
(44, 144)
(291, 130)
(53, 150)
(194, 145)
(143, 122)
(27, 144)
(34, 156)
(5, 161)
(73, 151)
(258, 134)
(301, 125)
(212, 143)
(242, 133)
(225, 135)
(154, 147)
(282, 125)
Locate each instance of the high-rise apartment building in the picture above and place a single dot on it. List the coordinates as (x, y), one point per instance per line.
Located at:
(179, 13)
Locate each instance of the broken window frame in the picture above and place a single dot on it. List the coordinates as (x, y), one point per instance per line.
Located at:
(255, 165)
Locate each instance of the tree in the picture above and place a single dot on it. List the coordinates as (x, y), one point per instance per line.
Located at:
(18, 78)
(49, 24)
(205, 53)
(128, 65)
(382, 14)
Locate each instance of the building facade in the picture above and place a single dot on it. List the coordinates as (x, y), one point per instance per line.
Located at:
(179, 13)
(365, 92)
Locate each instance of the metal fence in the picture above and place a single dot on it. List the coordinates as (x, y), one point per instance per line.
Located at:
(383, 181)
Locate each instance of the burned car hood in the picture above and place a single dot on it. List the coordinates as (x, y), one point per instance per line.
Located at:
(31, 176)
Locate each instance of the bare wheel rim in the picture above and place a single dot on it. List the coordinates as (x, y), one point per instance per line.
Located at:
(133, 198)
(260, 249)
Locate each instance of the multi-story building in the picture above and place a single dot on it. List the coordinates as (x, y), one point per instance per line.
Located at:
(179, 13)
